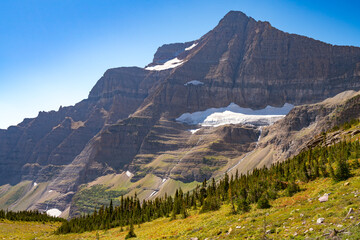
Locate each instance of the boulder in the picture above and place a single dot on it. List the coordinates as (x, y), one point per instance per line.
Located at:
(324, 198)
(320, 220)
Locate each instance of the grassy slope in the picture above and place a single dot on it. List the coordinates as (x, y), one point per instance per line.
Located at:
(290, 217)
(26, 230)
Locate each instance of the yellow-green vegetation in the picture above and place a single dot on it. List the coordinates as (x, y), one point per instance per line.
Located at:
(94, 197)
(292, 188)
(289, 218)
(13, 194)
(172, 185)
(26, 230)
(256, 188)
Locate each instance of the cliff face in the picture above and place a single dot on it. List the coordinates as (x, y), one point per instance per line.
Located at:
(128, 121)
(255, 65)
(243, 61)
(55, 138)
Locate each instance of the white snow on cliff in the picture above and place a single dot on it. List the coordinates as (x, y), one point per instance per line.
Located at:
(194, 82)
(193, 130)
(234, 114)
(129, 174)
(191, 47)
(167, 65)
(54, 212)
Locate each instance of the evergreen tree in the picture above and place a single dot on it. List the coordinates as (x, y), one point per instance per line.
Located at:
(292, 188)
(243, 205)
(263, 202)
(342, 170)
(131, 233)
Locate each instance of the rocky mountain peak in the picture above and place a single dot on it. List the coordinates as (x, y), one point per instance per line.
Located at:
(234, 17)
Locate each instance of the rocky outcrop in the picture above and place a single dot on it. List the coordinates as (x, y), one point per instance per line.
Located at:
(169, 51)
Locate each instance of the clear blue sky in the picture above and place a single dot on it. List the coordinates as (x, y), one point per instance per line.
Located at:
(52, 52)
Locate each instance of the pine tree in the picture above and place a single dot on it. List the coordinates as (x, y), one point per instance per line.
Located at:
(292, 188)
(263, 202)
(243, 205)
(331, 171)
(342, 171)
(131, 233)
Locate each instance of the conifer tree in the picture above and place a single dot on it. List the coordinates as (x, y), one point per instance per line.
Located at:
(243, 205)
(131, 233)
(263, 202)
(342, 170)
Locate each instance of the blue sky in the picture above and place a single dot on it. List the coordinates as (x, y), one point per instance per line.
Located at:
(52, 52)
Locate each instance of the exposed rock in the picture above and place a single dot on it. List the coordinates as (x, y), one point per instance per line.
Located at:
(320, 220)
(324, 198)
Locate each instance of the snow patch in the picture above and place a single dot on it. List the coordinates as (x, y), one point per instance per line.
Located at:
(173, 63)
(194, 82)
(164, 180)
(193, 130)
(234, 114)
(129, 174)
(153, 194)
(54, 212)
(50, 191)
(191, 47)
(35, 184)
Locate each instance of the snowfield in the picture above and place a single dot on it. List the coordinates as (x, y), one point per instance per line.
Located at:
(234, 114)
(54, 212)
(194, 82)
(173, 63)
(194, 130)
(129, 174)
(191, 47)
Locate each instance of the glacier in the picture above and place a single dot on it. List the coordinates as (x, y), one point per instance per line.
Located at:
(234, 114)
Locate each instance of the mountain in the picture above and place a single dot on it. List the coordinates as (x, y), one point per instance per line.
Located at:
(131, 133)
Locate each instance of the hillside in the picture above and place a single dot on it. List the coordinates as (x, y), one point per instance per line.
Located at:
(182, 118)
(294, 217)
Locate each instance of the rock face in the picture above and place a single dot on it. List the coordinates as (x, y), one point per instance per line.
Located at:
(128, 120)
(302, 128)
(169, 51)
(41, 147)
(254, 65)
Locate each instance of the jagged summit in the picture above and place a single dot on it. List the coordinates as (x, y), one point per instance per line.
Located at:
(233, 17)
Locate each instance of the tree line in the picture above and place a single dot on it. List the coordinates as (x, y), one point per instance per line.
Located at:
(242, 192)
(28, 216)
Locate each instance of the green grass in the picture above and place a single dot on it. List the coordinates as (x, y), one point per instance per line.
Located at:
(94, 197)
(288, 218)
(26, 230)
(13, 194)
